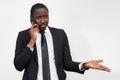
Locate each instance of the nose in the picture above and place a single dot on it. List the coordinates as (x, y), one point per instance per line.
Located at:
(42, 20)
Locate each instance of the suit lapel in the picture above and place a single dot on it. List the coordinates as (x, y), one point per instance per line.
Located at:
(54, 43)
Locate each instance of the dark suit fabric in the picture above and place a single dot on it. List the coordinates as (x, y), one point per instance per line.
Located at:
(26, 60)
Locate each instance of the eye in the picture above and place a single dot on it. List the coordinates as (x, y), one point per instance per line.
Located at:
(45, 16)
(38, 17)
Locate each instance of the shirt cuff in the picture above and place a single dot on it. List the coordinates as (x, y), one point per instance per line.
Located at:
(30, 48)
(80, 67)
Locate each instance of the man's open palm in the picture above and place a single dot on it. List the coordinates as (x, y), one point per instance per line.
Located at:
(95, 64)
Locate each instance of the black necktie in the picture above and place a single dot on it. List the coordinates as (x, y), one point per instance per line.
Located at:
(45, 58)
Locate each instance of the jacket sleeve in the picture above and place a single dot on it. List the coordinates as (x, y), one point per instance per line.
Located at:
(22, 53)
(69, 65)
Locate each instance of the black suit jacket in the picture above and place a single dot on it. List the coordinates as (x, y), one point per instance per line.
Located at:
(26, 60)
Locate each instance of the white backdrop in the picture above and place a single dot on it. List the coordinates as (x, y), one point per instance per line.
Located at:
(92, 26)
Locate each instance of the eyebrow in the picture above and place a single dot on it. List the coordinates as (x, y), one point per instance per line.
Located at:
(38, 16)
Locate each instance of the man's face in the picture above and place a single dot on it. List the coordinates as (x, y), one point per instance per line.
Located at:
(41, 17)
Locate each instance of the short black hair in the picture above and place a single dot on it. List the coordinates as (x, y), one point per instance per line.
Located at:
(36, 6)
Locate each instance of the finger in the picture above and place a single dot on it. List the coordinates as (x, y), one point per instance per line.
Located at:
(34, 25)
(37, 29)
(98, 61)
(104, 68)
(107, 69)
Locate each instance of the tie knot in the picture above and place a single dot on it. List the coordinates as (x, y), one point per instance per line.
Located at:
(42, 32)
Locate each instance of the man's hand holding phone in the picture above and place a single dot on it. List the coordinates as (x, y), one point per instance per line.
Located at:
(33, 33)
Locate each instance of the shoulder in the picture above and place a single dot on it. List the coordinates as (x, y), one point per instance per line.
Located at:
(56, 30)
(24, 33)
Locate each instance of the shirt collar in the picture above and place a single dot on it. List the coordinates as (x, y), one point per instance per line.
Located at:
(47, 30)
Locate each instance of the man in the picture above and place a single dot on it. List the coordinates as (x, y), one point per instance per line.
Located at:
(43, 52)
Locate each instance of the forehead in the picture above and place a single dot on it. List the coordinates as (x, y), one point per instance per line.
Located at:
(40, 11)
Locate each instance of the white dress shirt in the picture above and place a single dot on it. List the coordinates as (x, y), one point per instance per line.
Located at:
(53, 71)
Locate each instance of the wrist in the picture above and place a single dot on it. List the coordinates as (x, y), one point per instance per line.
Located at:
(85, 66)
(33, 39)
(31, 43)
